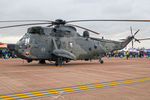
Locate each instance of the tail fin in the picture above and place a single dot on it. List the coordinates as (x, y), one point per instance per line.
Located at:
(126, 42)
(129, 39)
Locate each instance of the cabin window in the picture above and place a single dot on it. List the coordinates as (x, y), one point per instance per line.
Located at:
(36, 30)
(27, 41)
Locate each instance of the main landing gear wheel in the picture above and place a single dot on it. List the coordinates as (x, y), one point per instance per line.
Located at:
(101, 61)
(29, 60)
(59, 62)
(42, 62)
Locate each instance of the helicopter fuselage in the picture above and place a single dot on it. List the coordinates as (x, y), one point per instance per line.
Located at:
(41, 43)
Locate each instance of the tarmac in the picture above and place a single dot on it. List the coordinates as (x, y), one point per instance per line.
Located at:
(116, 79)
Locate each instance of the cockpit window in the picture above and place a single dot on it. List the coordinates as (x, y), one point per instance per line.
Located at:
(36, 30)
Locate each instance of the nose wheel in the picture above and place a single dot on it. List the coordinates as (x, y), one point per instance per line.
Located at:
(42, 62)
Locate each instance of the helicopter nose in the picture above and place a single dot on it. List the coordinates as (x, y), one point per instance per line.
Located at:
(11, 47)
(16, 49)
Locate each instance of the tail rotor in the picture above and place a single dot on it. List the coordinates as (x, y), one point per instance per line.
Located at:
(133, 36)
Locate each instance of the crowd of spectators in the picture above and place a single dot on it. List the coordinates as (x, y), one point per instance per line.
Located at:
(128, 54)
(5, 54)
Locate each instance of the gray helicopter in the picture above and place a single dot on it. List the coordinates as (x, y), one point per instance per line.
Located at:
(60, 42)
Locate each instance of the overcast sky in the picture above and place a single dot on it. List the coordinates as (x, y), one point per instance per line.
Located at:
(79, 9)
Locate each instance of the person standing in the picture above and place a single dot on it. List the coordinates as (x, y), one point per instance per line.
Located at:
(3, 53)
(127, 55)
(0, 53)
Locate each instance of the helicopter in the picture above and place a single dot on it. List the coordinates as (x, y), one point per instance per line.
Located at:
(60, 41)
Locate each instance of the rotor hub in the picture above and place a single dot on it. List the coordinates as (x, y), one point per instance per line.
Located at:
(59, 22)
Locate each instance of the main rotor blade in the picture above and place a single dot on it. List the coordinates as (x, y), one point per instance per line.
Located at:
(113, 20)
(22, 25)
(5, 21)
(50, 25)
(84, 28)
(144, 39)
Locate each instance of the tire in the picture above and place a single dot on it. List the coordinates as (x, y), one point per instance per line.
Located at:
(42, 62)
(101, 61)
(58, 62)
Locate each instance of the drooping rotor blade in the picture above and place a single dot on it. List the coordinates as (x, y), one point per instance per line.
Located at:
(22, 25)
(84, 28)
(144, 39)
(5, 21)
(113, 20)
